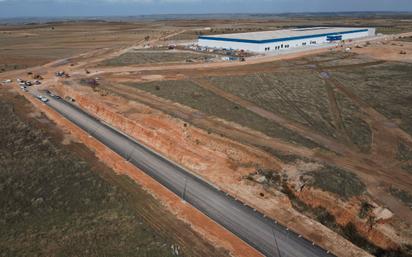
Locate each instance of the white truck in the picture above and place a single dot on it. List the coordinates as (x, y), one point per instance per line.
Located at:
(42, 98)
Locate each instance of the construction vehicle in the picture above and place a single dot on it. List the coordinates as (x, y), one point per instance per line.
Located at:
(62, 74)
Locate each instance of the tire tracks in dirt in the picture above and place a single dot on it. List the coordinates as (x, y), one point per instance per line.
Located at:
(304, 131)
(384, 145)
(206, 122)
(365, 165)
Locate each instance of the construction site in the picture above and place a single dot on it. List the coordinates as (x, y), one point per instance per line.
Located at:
(316, 141)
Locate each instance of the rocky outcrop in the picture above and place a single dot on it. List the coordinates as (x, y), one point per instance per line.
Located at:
(371, 227)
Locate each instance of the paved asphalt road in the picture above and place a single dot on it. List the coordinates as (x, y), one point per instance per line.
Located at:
(262, 233)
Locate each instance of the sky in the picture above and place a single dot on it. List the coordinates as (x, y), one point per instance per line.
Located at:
(56, 8)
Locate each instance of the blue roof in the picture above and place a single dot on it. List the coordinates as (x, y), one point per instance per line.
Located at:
(280, 39)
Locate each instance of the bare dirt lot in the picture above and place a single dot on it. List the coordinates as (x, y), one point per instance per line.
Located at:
(392, 51)
(321, 142)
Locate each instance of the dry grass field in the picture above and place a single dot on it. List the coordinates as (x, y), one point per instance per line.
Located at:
(24, 46)
(156, 56)
(59, 200)
(189, 94)
(386, 87)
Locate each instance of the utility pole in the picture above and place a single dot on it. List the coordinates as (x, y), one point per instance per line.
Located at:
(276, 243)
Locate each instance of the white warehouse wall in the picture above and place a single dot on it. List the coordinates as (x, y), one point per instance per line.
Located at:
(293, 43)
(229, 45)
(260, 47)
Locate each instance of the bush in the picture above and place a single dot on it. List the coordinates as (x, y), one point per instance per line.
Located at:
(340, 182)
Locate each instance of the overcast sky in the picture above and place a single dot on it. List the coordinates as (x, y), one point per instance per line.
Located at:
(52, 8)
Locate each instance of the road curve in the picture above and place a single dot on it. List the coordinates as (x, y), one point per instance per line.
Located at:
(262, 233)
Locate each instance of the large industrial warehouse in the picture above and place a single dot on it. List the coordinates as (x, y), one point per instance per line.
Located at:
(279, 40)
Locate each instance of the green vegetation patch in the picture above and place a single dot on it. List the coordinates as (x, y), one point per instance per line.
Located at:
(189, 94)
(337, 181)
